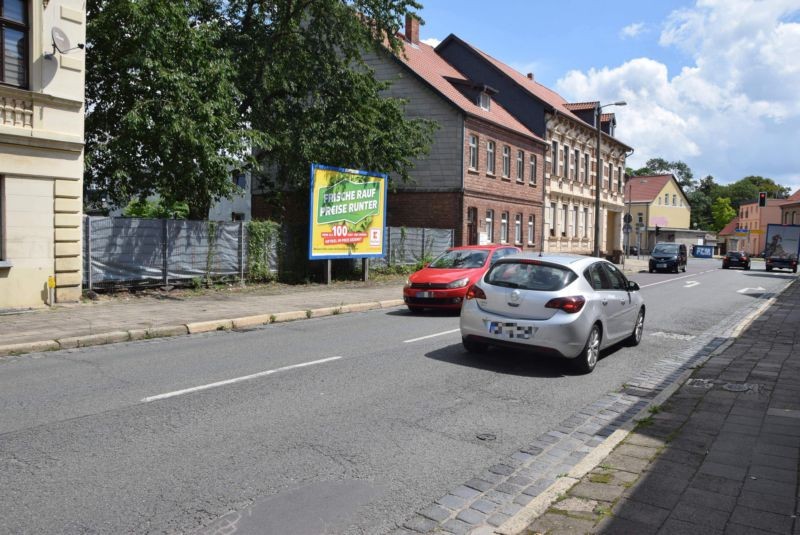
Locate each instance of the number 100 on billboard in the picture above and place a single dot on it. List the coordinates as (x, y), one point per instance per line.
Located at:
(348, 213)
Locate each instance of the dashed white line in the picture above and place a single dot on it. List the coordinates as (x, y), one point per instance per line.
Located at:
(431, 336)
(236, 380)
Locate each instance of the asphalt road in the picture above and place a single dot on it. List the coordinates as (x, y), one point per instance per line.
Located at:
(345, 424)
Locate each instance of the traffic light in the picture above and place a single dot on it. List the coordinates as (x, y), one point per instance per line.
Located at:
(762, 198)
(658, 230)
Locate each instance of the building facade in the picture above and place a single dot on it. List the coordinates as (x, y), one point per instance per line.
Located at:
(483, 175)
(660, 211)
(790, 210)
(41, 150)
(570, 132)
(753, 220)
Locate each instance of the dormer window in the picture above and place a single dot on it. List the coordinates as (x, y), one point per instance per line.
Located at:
(485, 101)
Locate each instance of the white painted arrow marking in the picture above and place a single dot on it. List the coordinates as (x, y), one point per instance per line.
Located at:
(758, 290)
(690, 284)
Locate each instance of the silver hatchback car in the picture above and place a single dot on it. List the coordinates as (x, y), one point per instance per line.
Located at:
(572, 306)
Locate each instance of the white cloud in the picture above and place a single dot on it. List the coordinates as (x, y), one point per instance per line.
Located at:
(432, 41)
(632, 30)
(733, 112)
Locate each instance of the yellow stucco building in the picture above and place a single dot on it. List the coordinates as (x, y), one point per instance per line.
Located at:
(656, 201)
(41, 150)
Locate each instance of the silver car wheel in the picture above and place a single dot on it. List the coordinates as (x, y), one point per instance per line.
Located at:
(593, 348)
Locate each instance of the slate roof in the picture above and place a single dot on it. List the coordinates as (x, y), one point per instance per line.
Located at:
(423, 60)
(646, 188)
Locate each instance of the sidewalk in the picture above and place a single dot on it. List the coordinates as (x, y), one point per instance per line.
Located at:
(719, 456)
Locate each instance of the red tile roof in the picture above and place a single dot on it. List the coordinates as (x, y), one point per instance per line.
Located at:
(531, 86)
(433, 69)
(604, 117)
(730, 228)
(795, 197)
(646, 188)
(573, 106)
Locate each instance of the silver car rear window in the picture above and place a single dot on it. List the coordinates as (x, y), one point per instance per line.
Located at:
(530, 276)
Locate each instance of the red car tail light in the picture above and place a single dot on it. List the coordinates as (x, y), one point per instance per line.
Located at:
(570, 305)
(475, 292)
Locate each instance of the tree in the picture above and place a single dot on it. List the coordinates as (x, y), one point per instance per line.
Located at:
(722, 213)
(162, 107)
(683, 173)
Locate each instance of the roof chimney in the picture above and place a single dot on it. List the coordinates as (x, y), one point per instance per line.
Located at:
(412, 29)
(530, 76)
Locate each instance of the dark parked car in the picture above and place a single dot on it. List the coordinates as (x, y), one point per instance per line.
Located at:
(668, 257)
(735, 259)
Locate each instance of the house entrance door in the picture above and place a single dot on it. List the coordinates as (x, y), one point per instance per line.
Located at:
(472, 226)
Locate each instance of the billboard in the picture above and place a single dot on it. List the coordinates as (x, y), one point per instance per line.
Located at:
(348, 213)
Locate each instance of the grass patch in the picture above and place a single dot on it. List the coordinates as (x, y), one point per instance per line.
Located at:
(655, 409)
(308, 314)
(644, 422)
(605, 479)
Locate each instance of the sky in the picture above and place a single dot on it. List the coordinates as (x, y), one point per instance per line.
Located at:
(712, 83)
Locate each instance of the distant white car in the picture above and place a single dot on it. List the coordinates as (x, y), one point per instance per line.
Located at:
(572, 306)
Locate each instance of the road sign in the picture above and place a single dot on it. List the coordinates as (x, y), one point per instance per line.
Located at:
(626, 228)
(628, 218)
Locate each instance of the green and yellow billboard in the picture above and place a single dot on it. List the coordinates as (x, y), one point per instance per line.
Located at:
(348, 213)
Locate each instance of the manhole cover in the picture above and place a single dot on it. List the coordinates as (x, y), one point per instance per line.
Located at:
(739, 387)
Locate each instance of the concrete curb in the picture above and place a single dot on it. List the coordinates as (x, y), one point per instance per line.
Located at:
(245, 322)
(518, 523)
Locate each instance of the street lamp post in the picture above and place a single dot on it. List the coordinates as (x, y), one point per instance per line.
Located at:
(599, 174)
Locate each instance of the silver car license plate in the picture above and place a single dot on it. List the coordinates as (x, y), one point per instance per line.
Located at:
(510, 330)
(425, 294)
(661, 266)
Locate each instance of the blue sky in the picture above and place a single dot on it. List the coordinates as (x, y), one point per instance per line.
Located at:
(713, 83)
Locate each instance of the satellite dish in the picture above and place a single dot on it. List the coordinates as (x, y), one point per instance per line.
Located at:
(60, 40)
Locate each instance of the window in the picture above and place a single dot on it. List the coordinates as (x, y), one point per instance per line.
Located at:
(504, 227)
(532, 178)
(619, 178)
(674, 200)
(575, 164)
(585, 222)
(473, 152)
(640, 217)
(531, 229)
(485, 101)
(518, 229)
(575, 221)
(490, 157)
(564, 220)
(506, 161)
(586, 167)
(2, 206)
(520, 166)
(565, 169)
(490, 225)
(552, 219)
(666, 199)
(14, 42)
(554, 159)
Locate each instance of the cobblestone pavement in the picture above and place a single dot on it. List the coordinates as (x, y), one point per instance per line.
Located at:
(764, 419)
(719, 456)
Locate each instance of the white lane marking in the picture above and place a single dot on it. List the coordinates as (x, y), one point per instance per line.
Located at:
(236, 380)
(669, 280)
(690, 284)
(430, 336)
(674, 336)
(758, 290)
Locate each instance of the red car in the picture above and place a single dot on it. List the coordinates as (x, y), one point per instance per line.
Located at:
(444, 282)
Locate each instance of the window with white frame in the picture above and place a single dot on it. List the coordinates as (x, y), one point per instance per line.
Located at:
(674, 200)
(531, 229)
(586, 168)
(554, 159)
(575, 221)
(666, 199)
(485, 101)
(520, 166)
(504, 227)
(586, 222)
(473, 151)
(576, 162)
(490, 157)
(565, 168)
(14, 34)
(518, 229)
(563, 227)
(490, 225)
(553, 222)
(533, 173)
(506, 161)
